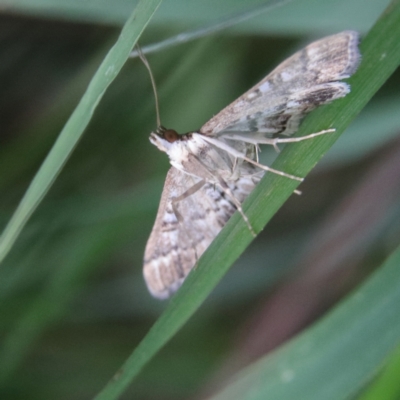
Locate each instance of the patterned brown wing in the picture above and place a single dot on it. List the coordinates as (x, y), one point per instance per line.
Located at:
(174, 246)
(309, 78)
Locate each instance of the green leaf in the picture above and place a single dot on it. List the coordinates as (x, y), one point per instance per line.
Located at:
(386, 386)
(78, 121)
(337, 356)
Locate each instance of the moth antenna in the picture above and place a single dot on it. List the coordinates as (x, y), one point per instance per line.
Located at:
(153, 82)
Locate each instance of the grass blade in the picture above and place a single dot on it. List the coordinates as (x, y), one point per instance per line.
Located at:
(77, 123)
(217, 26)
(335, 358)
(386, 386)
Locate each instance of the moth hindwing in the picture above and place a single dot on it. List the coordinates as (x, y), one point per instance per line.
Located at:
(216, 168)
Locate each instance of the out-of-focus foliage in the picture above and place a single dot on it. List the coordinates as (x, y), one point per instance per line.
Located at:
(73, 302)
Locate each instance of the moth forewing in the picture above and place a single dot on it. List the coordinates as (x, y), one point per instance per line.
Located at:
(174, 246)
(215, 169)
(304, 81)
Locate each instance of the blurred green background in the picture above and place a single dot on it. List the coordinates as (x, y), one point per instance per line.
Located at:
(73, 300)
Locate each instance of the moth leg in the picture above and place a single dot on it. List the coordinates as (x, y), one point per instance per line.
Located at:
(193, 189)
(257, 150)
(253, 153)
(236, 202)
(275, 171)
(235, 164)
(227, 191)
(273, 142)
(276, 148)
(238, 154)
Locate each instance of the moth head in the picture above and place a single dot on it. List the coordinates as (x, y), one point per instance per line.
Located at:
(163, 138)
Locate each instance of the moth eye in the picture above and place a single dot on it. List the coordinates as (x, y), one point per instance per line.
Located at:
(170, 135)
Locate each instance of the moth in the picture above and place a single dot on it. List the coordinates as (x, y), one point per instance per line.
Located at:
(215, 168)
